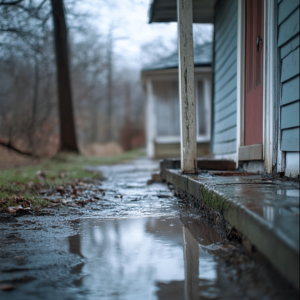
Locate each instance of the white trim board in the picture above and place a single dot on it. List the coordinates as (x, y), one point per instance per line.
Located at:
(280, 155)
(232, 156)
(270, 80)
(240, 78)
(173, 71)
(176, 139)
(292, 164)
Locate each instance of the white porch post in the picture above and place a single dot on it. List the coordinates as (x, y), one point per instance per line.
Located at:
(186, 86)
(207, 95)
(151, 123)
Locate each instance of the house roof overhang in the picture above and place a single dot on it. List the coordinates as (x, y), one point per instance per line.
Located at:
(202, 58)
(171, 74)
(166, 11)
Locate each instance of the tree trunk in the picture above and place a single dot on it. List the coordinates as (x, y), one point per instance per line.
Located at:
(66, 116)
(109, 87)
(32, 125)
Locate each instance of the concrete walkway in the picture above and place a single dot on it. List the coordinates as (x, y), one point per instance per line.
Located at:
(265, 210)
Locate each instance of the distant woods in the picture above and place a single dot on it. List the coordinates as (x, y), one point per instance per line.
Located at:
(48, 71)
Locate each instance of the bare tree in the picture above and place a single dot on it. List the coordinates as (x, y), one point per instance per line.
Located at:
(105, 94)
(109, 82)
(68, 140)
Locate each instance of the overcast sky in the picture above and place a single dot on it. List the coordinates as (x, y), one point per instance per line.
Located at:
(129, 18)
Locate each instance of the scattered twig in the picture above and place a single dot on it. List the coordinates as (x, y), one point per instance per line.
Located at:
(11, 147)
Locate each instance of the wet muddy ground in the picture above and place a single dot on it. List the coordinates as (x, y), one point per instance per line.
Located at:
(129, 240)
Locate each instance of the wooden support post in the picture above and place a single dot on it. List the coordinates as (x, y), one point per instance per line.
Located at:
(186, 87)
(151, 122)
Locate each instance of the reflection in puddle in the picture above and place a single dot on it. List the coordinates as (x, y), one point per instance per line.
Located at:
(290, 193)
(145, 258)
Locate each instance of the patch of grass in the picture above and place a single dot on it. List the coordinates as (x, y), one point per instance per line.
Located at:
(37, 202)
(25, 198)
(58, 170)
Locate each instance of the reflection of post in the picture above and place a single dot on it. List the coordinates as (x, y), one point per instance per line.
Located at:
(191, 265)
(75, 248)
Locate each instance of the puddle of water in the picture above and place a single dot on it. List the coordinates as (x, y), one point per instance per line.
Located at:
(290, 193)
(145, 258)
(131, 258)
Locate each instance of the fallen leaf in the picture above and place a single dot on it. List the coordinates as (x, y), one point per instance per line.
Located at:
(61, 190)
(18, 198)
(55, 201)
(13, 210)
(25, 204)
(7, 287)
(19, 183)
(42, 192)
(19, 257)
(41, 173)
(156, 178)
(62, 175)
(82, 202)
(30, 184)
(226, 247)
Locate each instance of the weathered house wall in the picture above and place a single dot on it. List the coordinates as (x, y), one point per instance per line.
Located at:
(288, 44)
(225, 80)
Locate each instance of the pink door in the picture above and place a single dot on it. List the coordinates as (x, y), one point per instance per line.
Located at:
(253, 114)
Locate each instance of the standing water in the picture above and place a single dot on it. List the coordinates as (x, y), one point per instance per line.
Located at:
(134, 243)
(144, 258)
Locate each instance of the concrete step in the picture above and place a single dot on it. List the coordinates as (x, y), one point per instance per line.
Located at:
(264, 210)
(204, 163)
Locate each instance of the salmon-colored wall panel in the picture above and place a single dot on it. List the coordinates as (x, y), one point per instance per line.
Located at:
(253, 114)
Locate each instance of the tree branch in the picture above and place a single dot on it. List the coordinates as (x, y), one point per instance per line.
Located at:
(11, 147)
(3, 2)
